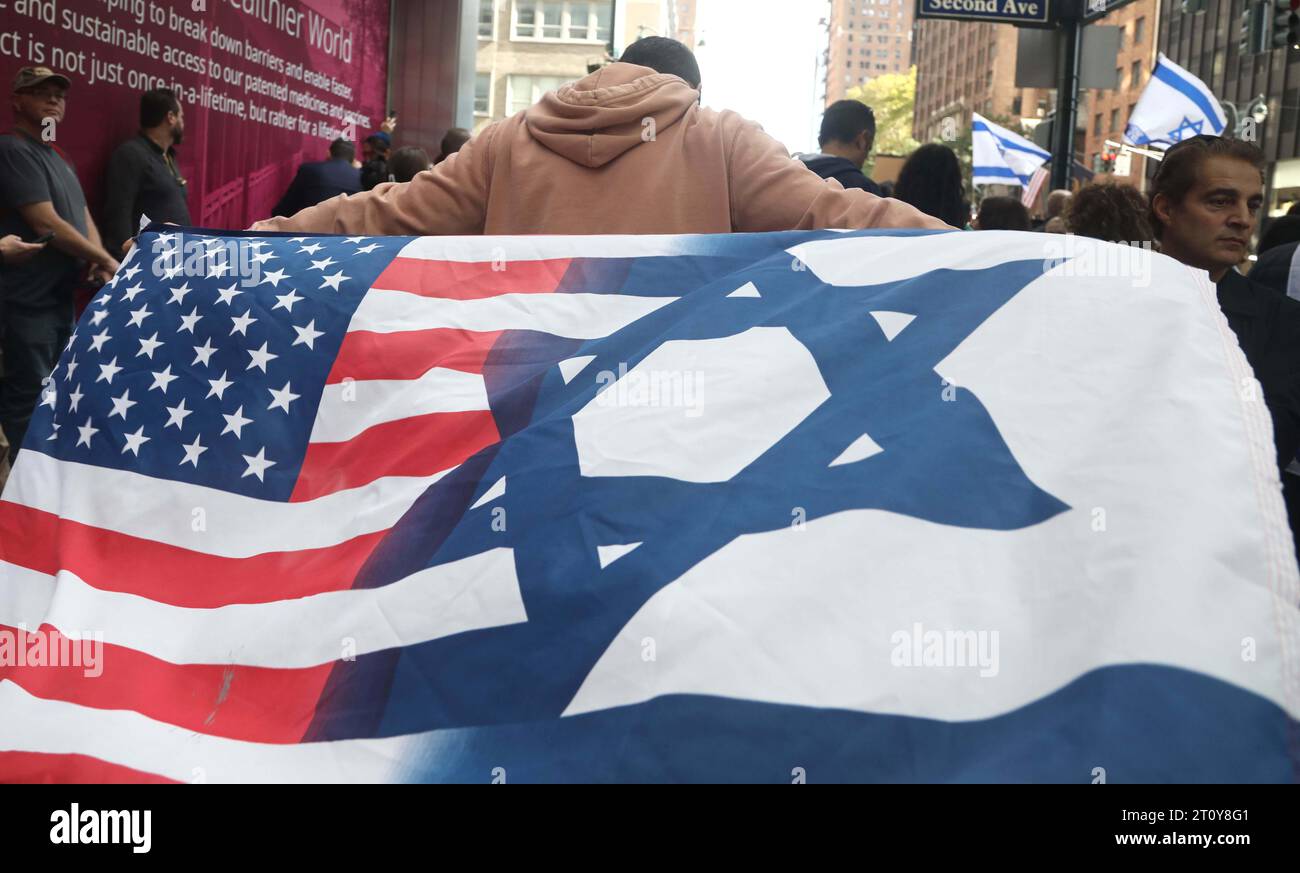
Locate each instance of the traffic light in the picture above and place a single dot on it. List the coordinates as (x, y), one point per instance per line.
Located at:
(1246, 31)
(1286, 24)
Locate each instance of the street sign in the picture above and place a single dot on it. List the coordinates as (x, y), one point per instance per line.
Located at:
(1094, 9)
(1123, 164)
(1022, 13)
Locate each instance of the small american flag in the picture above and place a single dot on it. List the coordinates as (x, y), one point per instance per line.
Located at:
(1036, 181)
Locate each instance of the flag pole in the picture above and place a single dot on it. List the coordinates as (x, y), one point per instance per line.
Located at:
(1067, 96)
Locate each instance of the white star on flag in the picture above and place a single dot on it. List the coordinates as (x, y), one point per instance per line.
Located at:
(162, 379)
(122, 404)
(176, 415)
(192, 452)
(257, 464)
(307, 335)
(283, 398)
(204, 352)
(260, 358)
(219, 386)
(334, 280)
(235, 422)
(134, 441)
(86, 432)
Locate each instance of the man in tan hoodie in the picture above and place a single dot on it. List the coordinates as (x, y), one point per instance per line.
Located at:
(628, 149)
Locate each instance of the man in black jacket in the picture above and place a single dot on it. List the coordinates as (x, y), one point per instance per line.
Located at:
(320, 180)
(142, 177)
(848, 131)
(1205, 201)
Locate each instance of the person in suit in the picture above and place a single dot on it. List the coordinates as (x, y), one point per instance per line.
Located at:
(318, 181)
(1205, 200)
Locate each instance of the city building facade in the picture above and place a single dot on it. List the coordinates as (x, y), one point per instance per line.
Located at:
(529, 47)
(867, 38)
(1107, 111)
(964, 67)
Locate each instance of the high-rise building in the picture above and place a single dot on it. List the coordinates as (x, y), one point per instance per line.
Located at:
(964, 67)
(529, 47)
(868, 38)
(1109, 110)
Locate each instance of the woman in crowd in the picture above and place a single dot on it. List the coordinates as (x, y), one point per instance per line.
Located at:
(1111, 212)
(930, 180)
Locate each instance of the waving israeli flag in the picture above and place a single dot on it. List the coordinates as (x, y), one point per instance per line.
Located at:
(1002, 157)
(1174, 105)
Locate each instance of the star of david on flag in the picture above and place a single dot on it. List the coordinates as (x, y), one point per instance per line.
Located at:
(1174, 105)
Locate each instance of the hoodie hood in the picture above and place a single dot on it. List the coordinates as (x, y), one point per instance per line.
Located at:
(594, 120)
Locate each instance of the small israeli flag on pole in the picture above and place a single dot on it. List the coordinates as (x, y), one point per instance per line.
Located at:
(1174, 106)
(1000, 157)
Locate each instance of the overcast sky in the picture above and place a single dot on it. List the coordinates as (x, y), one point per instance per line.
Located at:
(758, 58)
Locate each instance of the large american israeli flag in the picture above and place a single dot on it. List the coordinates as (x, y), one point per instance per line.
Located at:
(1001, 157)
(817, 506)
(1174, 106)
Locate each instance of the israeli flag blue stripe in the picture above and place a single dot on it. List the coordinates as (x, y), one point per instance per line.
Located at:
(1012, 144)
(1181, 85)
(1006, 172)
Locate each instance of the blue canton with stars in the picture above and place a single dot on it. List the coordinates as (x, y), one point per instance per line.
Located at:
(943, 460)
(203, 363)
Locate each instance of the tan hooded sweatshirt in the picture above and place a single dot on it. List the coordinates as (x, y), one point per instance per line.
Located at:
(625, 150)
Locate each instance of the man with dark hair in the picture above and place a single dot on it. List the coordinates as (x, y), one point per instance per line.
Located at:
(1205, 200)
(407, 162)
(40, 196)
(848, 131)
(1001, 213)
(452, 140)
(664, 55)
(320, 180)
(142, 177)
(628, 149)
(374, 159)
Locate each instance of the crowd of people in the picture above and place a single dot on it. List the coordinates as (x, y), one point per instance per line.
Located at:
(627, 149)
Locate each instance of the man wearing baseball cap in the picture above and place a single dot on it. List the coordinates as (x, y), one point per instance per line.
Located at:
(40, 196)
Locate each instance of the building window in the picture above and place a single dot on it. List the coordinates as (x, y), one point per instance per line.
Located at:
(1096, 124)
(1139, 30)
(561, 20)
(527, 90)
(1136, 75)
(483, 94)
(486, 17)
(1114, 120)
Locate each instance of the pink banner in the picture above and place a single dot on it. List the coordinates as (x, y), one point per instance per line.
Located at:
(265, 84)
